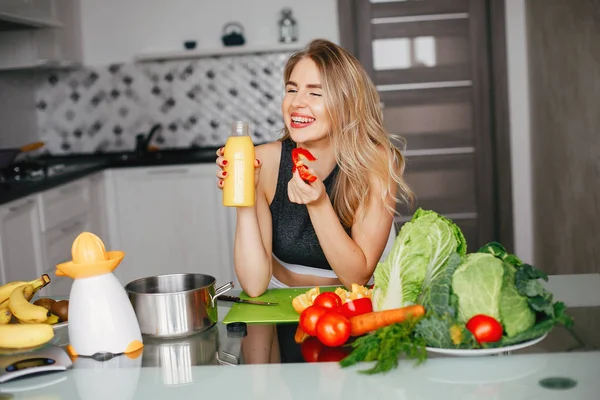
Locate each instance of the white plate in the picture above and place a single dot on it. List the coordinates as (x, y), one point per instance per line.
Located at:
(486, 352)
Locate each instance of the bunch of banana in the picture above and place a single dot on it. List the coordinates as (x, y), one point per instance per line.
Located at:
(34, 328)
(38, 283)
(23, 310)
(6, 312)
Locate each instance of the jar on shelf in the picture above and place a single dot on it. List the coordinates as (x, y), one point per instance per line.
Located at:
(288, 28)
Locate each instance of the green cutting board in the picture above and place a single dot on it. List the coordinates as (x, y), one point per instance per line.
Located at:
(283, 312)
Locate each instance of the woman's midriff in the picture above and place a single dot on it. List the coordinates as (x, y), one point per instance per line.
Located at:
(290, 278)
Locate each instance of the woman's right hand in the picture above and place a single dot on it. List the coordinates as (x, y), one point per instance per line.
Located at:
(222, 174)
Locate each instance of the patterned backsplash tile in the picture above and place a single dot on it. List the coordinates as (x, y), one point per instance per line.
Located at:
(103, 108)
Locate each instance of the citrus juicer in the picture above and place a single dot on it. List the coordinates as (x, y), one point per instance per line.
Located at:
(102, 322)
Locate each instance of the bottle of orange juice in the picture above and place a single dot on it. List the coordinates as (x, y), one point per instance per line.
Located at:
(238, 186)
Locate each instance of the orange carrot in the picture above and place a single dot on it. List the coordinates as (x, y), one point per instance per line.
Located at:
(368, 322)
(300, 335)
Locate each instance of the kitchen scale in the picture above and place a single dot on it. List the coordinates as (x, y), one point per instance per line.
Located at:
(48, 359)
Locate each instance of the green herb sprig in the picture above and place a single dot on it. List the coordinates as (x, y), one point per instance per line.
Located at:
(385, 346)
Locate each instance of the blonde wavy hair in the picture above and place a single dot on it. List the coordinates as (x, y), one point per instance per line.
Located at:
(360, 142)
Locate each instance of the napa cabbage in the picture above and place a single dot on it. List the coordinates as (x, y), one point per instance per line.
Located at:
(419, 256)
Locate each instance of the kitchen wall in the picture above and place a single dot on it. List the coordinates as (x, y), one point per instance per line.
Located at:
(17, 111)
(116, 30)
(564, 60)
(103, 108)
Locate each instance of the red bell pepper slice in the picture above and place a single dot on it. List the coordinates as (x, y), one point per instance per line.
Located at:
(304, 174)
(356, 307)
(299, 156)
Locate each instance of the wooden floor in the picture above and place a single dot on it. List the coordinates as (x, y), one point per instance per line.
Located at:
(564, 63)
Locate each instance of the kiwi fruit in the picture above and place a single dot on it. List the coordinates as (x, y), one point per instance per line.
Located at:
(45, 302)
(61, 310)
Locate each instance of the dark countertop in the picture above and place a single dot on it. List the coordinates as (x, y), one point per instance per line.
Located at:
(77, 166)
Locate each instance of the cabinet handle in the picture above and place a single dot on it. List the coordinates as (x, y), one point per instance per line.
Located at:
(169, 171)
(21, 206)
(71, 227)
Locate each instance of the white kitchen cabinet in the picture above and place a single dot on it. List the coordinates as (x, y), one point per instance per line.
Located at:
(98, 223)
(66, 211)
(169, 219)
(67, 38)
(64, 202)
(27, 14)
(57, 243)
(21, 256)
(41, 33)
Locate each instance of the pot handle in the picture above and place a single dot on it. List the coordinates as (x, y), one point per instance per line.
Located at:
(223, 354)
(221, 290)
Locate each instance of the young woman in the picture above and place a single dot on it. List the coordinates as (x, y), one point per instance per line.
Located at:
(332, 230)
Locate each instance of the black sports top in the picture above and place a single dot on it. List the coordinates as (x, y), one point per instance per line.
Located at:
(294, 238)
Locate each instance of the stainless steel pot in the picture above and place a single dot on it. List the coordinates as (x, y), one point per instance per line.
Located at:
(175, 305)
(177, 357)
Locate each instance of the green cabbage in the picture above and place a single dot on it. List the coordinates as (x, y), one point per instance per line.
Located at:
(477, 284)
(484, 284)
(419, 255)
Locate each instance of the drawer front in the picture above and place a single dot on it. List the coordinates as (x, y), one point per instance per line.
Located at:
(59, 240)
(60, 286)
(64, 203)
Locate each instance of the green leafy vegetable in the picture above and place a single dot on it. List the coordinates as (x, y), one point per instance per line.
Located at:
(385, 346)
(515, 314)
(561, 316)
(542, 327)
(438, 328)
(526, 279)
(477, 284)
(437, 298)
(419, 255)
(528, 285)
(498, 251)
(534, 332)
(435, 332)
(429, 265)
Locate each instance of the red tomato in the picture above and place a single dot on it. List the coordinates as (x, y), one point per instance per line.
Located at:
(309, 318)
(334, 354)
(485, 328)
(356, 307)
(333, 329)
(311, 349)
(328, 300)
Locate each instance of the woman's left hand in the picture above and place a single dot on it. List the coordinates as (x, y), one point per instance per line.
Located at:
(300, 192)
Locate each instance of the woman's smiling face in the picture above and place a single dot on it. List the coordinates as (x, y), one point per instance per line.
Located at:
(303, 105)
